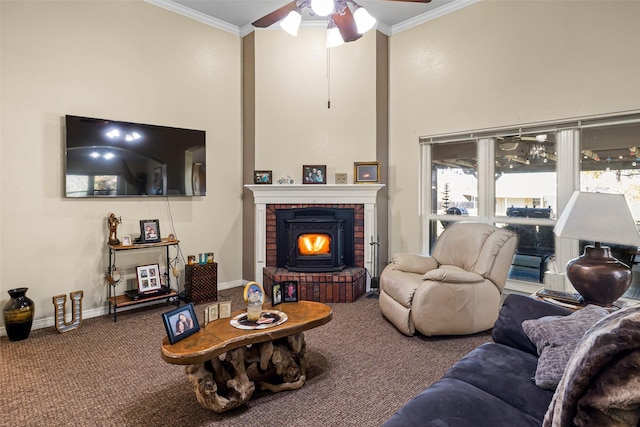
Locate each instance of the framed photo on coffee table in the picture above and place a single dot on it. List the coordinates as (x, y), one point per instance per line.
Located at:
(180, 323)
(290, 291)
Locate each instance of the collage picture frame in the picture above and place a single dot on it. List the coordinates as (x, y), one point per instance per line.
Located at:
(148, 277)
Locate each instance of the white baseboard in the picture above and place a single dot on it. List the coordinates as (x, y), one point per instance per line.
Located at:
(101, 311)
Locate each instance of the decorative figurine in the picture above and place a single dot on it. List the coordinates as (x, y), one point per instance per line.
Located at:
(112, 223)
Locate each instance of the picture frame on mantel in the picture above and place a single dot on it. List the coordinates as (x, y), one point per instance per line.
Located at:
(314, 174)
(262, 177)
(366, 172)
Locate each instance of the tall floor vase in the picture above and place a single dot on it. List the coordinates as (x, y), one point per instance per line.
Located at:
(18, 314)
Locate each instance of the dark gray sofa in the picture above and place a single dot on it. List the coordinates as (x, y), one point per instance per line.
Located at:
(492, 385)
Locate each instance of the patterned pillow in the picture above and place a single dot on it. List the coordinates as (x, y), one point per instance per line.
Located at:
(556, 337)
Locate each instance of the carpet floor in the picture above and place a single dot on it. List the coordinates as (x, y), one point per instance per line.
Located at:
(111, 374)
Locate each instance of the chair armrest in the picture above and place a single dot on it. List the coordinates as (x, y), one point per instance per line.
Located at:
(413, 263)
(517, 308)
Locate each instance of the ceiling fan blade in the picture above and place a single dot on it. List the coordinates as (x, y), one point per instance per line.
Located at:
(275, 16)
(347, 26)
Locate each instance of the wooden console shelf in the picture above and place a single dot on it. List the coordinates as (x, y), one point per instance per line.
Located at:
(125, 301)
(120, 301)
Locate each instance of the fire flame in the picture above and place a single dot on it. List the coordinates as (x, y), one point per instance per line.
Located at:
(314, 244)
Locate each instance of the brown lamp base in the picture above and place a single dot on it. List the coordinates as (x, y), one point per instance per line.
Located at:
(597, 276)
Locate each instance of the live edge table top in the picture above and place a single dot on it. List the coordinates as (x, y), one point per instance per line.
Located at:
(219, 336)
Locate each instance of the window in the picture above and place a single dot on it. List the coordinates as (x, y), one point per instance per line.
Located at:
(520, 178)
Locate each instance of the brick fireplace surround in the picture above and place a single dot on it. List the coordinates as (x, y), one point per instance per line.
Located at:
(345, 286)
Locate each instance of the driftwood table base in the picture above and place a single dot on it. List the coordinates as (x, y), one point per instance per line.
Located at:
(226, 364)
(224, 384)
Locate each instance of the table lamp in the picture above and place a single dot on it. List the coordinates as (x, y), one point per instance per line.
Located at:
(598, 217)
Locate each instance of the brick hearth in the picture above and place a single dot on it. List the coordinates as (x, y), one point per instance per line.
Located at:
(345, 286)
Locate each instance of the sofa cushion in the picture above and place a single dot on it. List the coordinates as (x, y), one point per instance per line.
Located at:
(451, 402)
(515, 309)
(504, 372)
(556, 337)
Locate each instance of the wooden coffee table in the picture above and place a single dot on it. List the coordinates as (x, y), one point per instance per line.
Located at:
(217, 356)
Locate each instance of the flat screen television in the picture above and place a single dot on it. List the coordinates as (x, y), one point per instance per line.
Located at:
(108, 158)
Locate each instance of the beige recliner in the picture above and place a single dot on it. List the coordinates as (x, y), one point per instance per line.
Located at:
(457, 289)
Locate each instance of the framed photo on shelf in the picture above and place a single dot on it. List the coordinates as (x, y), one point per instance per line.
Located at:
(290, 291)
(262, 177)
(148, 278)
(126, 240)
(314, 174)
(276, 294)
(366, 172)
(149, 231)
(180, 323)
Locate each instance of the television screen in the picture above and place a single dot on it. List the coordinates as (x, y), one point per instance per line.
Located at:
(108, 158)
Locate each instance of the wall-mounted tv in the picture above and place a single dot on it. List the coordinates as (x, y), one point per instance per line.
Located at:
(108, 158)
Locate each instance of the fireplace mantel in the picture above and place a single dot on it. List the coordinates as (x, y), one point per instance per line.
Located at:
(264, 195)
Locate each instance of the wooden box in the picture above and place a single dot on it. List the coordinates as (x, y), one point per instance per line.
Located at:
(201, 282)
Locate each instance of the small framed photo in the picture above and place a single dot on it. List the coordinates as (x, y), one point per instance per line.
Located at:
(314, 174)
(149, 231)
(262, 177)
(290, 291)
(148, 278)
(180, 323)
(224, 309)
(126, 240)
(276, 294)
(366, 172)
(341, 178)
(191, 259)
(211, 313)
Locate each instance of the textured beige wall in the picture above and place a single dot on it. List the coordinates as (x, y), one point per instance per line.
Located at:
(293, 125)
(498, 63)
(125, 61)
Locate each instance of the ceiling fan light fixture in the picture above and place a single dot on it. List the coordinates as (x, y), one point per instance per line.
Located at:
(334, 38)
(364, 20)
(291, 23)
(322, 7)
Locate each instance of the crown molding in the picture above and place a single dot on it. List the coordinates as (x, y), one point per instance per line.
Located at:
(247, 29)
(431, 15)
(201, 17)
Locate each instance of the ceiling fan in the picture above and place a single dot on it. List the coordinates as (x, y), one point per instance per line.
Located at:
(350, 24)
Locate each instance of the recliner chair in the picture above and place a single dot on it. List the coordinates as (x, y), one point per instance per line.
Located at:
(456, 290)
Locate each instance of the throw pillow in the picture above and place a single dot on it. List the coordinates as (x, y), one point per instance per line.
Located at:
(556, 337)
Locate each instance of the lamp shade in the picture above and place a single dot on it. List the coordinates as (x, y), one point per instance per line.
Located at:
(291, 23)
(364, 20)
(598, 217)
(334, 39)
